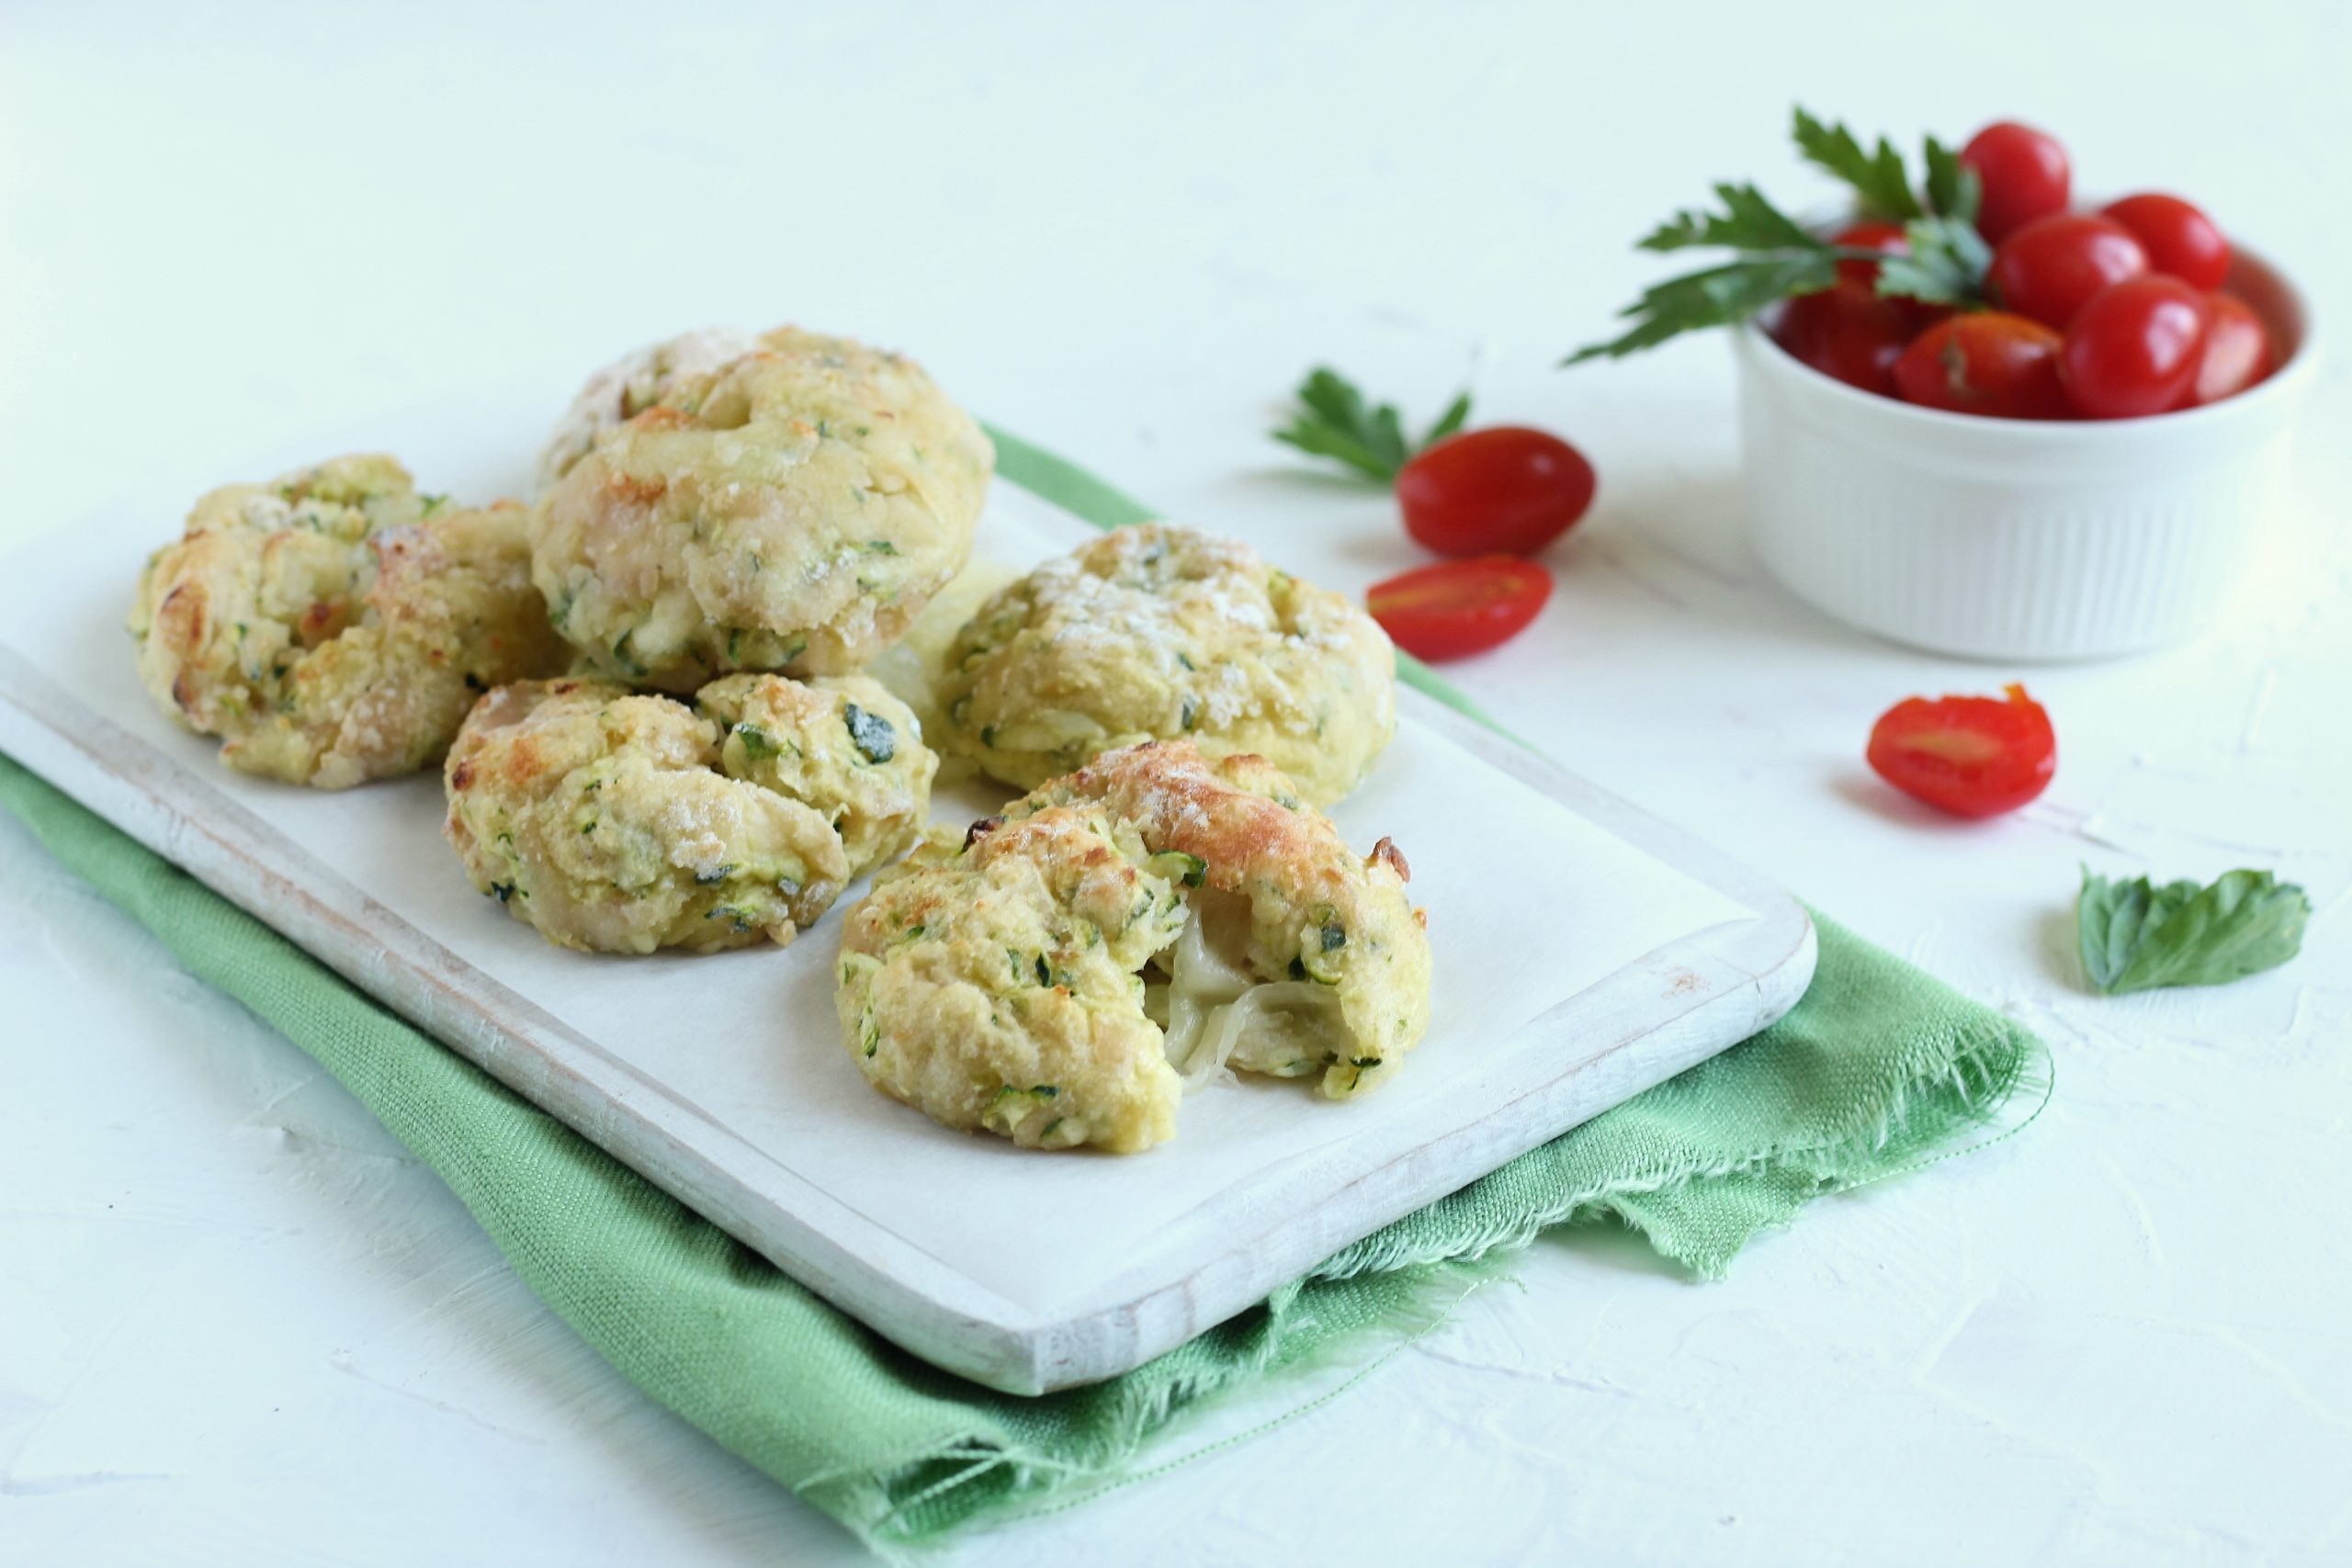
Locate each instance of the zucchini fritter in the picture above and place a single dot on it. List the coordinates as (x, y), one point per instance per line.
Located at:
(333, 626)
(1061, 977)
(1157, 632)
(791, 511)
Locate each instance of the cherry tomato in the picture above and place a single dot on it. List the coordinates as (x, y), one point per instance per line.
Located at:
(2134, 349)
(1505, 491)
(1460, 607)
(1870, 235)
(1985, 362)
(2050, 268)
(2179, 238)
(1970, 756)
(1848, 332)
(2237, 352)
(2025, 174)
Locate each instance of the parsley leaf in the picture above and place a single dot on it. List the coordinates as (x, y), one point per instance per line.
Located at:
(1716, 296)
(1954, 190)
(1333, 420)
(1749, 222)
(2136, 936)
(1778, 258)
(1947, 262)
(1878, 177)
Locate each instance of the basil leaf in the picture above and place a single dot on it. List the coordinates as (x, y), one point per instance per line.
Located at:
(2136, 936)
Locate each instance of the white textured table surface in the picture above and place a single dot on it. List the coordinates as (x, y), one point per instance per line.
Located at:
(238, 1325)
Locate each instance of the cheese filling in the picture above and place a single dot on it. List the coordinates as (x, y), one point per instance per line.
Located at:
(1217, 1014)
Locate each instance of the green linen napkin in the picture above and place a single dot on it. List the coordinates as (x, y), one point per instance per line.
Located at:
(1875, 1071)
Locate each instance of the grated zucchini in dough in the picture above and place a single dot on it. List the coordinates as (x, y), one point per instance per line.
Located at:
(1134, 929)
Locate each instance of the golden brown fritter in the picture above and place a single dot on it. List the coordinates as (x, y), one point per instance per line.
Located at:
(995, 986)
(792, 511)
(1157, 631)
(601, 819)
(630, 385)
(1283, 906)
(333, 626)
(1060, 977)
(840, 745)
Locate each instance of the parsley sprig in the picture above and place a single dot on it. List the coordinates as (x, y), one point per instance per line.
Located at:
(1881, 185)
(1775, 257)
(1334, 420)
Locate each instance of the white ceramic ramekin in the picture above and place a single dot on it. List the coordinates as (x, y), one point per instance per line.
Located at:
(2012, 539)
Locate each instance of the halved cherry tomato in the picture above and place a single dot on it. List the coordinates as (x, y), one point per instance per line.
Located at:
(1850, 332)
(2135, 348)
(1970, 756)
(2179, 238)
(1869, 235)
(2237, 352)
(1985, 362)
(1460, 607)
(2050, 268)
(1506, 490)
(2025, 174)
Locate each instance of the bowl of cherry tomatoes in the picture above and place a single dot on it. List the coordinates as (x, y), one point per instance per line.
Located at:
(2074, 458)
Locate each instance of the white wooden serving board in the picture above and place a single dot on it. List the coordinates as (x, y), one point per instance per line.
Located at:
(1585, 951)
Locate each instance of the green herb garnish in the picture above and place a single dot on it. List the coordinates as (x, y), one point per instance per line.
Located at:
(1878, 177)
(758, 744)
(1333, 420)
(1178, 867)
(1776, 258)
(875, 738)
(1946, 266)
(2136, 936)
